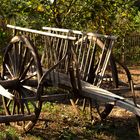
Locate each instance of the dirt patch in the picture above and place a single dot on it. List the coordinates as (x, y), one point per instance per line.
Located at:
(58, 121)
(64, 123)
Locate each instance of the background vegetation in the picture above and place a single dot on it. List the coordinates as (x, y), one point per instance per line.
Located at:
(113, 17)
(109, 17)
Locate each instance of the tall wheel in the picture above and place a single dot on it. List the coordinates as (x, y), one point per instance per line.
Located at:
(21, 64)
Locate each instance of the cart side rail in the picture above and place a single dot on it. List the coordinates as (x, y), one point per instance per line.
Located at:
(73, 32)
(92, 52)
(40, 32)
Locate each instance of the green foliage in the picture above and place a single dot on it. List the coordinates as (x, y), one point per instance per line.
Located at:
(9, 134)
(117, 17)
(137, 21)
(109, 17)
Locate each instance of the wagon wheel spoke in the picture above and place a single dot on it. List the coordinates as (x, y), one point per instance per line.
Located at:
(27, 94)
(13, 56)
(95, 110)
(13, 61)
(23, 60)
(9, 70)
(103, 110)
(20, 54)
(14, 108)
(19, 59)
(23, 101)
(10, 64)
(15, 105)
(9, 102)
(28, 78)
(27, 68)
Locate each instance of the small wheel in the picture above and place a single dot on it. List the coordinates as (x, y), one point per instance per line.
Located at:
(21, 62)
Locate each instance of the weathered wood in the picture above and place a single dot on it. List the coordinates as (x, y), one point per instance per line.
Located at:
(9, 83)
(87, 90)
(106, 96)
(15, 118)
(93, 92)
(5, 93)
(41, 32)
(124, 89)
(78, 32)
(55, 97)
(74, 106)
(20, 62)
(49, 98)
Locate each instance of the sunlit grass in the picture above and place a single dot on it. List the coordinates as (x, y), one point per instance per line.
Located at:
(9, 133)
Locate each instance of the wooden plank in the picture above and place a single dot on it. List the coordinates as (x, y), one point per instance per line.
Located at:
(5, 93)
(49, 98)
(41, 32)
(93, 92)
(54, 97)
(79, 32)
(15, 118)
(102, 95)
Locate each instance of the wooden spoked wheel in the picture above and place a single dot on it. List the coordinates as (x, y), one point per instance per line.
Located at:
(98, 59)
(21, 64)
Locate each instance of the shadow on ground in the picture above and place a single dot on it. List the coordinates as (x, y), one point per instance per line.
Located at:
(61, 126)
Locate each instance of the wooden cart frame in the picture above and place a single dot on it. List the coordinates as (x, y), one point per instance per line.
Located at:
(83, 62)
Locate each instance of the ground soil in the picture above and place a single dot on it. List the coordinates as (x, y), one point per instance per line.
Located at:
(59, 121)
(64, 124)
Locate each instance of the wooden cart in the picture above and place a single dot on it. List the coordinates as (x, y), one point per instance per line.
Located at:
(35, 60)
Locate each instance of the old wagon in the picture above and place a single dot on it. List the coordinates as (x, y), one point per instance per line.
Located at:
(83, 62)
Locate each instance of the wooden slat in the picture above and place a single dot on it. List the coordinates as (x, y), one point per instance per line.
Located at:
(54, 97)
(49, 98)
(5, 93)
(41, 32)
(15, 118)
(79, 32)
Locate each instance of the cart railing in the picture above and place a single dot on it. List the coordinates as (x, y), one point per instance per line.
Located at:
(92, 51)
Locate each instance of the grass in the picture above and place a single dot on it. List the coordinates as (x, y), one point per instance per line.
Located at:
(58, 121)
(9, 133)
(62, 123)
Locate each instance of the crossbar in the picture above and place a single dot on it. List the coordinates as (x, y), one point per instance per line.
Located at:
(79, 32)
(15, 118)
(41, 32)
